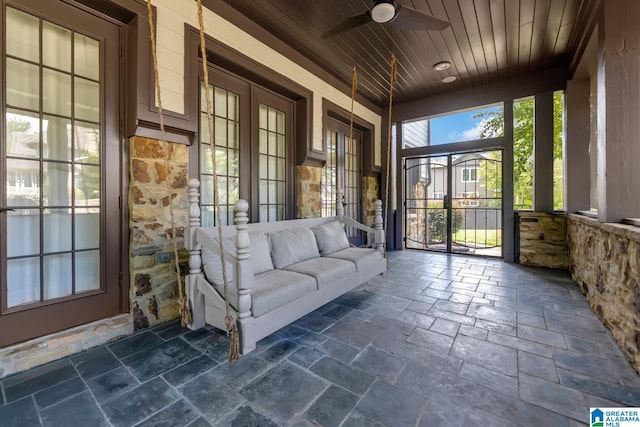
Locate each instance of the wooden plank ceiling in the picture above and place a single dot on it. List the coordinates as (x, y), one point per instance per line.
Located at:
(488, 41)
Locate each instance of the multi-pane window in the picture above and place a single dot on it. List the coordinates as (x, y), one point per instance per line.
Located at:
(227, 152)
(272, 164)
(52, 160)
(469, 175)
(329, 175)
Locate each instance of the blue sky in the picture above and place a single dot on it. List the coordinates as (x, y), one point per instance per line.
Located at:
(458, 127)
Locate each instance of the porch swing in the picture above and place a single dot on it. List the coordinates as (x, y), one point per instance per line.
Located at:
(252, 279)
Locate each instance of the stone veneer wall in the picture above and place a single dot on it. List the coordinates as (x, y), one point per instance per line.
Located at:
(309, 203)
(543, 239)
(605, 263)
(370, 193)
(154, 291)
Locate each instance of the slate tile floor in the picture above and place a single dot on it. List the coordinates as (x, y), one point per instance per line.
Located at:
(438, 340)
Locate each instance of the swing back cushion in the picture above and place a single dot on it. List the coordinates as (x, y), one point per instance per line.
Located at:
(292, 246)
(331, 237)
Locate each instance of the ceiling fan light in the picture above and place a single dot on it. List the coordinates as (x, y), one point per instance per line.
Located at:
(383, 12)
(449, 79)
(441, 66)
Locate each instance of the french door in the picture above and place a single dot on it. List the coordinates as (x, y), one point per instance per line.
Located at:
(60, 262)
(253, 138)
(453, 203)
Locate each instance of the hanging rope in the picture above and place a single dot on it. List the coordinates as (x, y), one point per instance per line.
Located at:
(229, 320)
(183, 308)
(393, 79)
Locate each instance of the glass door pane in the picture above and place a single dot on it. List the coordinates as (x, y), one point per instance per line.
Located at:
(426, 195)
(271, 164)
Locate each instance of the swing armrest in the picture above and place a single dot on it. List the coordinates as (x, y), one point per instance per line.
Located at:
(203, 236)
(353, 223)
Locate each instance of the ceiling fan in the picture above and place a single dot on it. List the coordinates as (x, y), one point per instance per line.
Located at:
(388, 12)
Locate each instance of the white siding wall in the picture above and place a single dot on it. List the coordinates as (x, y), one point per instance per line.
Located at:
(172, 14)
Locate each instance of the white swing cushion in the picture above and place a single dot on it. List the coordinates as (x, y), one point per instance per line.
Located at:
(363, 258)
(259, 257)
(331, 237)
(325, 271)
(292, 246)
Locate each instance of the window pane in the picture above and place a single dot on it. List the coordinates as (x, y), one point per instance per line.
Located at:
(233, 162)
(22, 87)
(233, 190)
(87, 141)
(263, 141)
(281, 152)
(204, 128)
(222, 191)
(273, 193)
(23, 35)
(57, 138)
(232, 106)
(86, 57)
(262, 124)
(220, 131)
(87, 100)
(523, 128)
(87, 271)
(57, 230)
(263, 167)
(23, 232)
(206, 189)
(206, 164)
(271, 124)
(56, 46)
(56, 92)
(87, 228)
(272, 168)
(23, 134)
(57, 184)
(221, 161)
(23, 178)
(280, 122)
(87, 185)
(273, 149)
(57, 270)
(558, 147)
(23, 281)
(264, 214)
(264, 195)
(220, 102)
(233, 134)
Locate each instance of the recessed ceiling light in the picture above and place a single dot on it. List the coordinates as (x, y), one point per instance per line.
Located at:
(442, 65)
(449, 79)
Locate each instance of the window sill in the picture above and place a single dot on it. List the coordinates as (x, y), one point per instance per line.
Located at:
(632, 221)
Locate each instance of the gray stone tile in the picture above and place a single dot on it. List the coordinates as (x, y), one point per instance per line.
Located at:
(214, 399)
(461, 298)
(312, 339)
(315, 322)
(139, 403)
(172, 332)
(589, 321)
(520, 344)
(459, 318)
(353, 332)
(437, 293)
(352, 379)
(305, 356)
(453, 307)
(395, 326)
(279, 350)
(433, 340)
(592, 366)
(488, 378)
(292, 332)
(189, 370)
(134, 344)
(338, 350)
(541, 336)
(420, 306)
(496, 315)
(285, 390)
(161, 358)
(246, 416)
(531, 320)
(423, 379)
(418, 319)
(379, 363)
(390, 405)
(37, 379)
(584, 346)
(553, 396)
(492, 356)
(446, 327)
(241, 372)
(472, 331)
(617, 392)
(338, 311)
(79, 410)
(95, 362)
(20, 413)
(515, 410)
(197, 335)
(495, 327)
(178, 413)
(538, 366)
(111, 384)
(58, 392)
(200, 422)
(443, 410)
(332, 407)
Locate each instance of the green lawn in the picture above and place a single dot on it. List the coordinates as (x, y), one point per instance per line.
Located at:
(479, 237)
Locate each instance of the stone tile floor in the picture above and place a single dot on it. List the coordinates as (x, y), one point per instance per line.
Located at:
(438, 340)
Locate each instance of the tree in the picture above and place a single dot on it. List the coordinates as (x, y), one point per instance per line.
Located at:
(523, 137)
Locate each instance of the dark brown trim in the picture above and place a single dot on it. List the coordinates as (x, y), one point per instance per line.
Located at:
(236, 63)
(545, 81)
(224, 10)
(334, 111)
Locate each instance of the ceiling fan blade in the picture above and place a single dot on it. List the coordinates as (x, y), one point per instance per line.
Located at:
(411, 19)
(353, 22)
